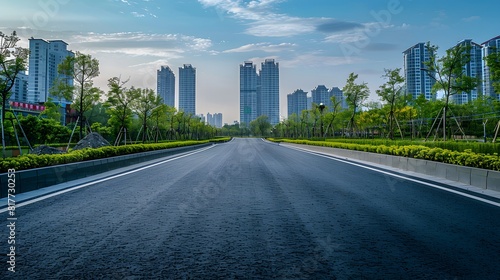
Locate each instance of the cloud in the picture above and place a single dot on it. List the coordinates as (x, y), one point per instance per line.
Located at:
(338, 26)
(265, 47)
(471, 18)
(316, 59)
(260, 18)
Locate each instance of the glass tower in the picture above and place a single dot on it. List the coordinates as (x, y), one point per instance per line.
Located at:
(187, 89)
(165, 88)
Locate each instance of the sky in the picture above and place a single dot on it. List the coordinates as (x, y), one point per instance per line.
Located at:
(315, 42)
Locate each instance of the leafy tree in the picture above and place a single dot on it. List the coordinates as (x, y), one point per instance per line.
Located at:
(493, 62)
(119, 104)
(355, 95)
(159, 116)
(143, 106)
(260, 126)
(449, 75)
(390, 92)
(13, 59)
(51, 110)
(332, 114)
(82, 69)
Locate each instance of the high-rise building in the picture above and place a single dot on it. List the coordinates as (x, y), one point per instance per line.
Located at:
(45, 56)
(297, 102)
(214, 120)
(473, 68)
(339, 97)
(165, 85)
(19, 91)
(417, 79)
(269, 91)
(490, 46)
(320, 95)
(187, 89)
(248, 93)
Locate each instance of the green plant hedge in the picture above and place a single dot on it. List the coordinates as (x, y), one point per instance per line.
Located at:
(35, 161)
(464, 158)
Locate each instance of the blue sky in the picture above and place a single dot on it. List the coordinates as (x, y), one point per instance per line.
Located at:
(316, 42)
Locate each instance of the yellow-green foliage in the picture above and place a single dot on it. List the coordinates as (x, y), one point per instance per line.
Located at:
(35, 161)
(464, 158)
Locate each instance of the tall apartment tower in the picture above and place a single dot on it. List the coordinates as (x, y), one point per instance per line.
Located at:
(321, 95)
(417, 80)
(296, 102)
(248, 93)
(473, 68)
(187, 89)
(19, 91)
(490, 46)
(269, 93)
(339, 97)
(165, 85)
(45, 56)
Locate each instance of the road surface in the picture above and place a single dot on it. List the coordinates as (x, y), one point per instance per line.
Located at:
(249, 209)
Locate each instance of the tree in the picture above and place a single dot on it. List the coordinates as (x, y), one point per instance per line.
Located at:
(143, 106)
(390, 92)
(332, 115)
(355, 95)
(13, 59)
(119, 104)
(493, 62)
(260, 126)
(448, 72)
(51, 110)
(82, 69)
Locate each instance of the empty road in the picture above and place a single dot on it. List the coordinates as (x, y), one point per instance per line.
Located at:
(249, 209)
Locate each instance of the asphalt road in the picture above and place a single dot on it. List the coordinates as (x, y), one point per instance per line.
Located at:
(255, 210)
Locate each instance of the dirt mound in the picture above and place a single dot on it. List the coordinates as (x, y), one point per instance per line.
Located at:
(92, 140)
(46, 150)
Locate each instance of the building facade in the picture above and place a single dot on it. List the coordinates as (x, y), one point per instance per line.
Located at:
(473, 68)
(418, 80)
(248, 93)
(339, 97)
(19, 91)
(320, 95)
(187, 89)
(296, 102)
(45, 57)
(214, 120)
(268, 94)
(488, 47)
(165, 85)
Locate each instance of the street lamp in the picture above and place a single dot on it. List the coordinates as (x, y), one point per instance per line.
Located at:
(321, 108)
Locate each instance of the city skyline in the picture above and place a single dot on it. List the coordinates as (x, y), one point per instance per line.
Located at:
(316, 44)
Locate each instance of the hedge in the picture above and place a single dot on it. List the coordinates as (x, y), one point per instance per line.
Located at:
(35, 161)
(463, 158)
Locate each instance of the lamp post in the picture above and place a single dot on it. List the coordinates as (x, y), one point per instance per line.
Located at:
(321, 108)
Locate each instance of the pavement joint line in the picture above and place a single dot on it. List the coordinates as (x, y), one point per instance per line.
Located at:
(97, 181)
(336, 158)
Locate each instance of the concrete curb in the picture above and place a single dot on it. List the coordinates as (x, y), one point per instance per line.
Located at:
(482, 178)
(37, 178)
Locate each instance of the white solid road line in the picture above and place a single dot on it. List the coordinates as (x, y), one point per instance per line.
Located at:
(394, 175)
(102, 180)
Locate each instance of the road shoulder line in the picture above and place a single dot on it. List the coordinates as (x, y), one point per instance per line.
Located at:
(487, 196)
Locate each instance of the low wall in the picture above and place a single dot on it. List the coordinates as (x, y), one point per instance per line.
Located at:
(483, 178)
(37, 178)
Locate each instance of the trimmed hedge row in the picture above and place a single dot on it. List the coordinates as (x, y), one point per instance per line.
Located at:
(35, 161)
(464, 158)
(460, 146)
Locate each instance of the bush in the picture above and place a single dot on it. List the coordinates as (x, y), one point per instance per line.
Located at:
(464, 157)
(34, 161)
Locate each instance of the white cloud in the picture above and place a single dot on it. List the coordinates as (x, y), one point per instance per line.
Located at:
(262, 21)
(265, 47)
